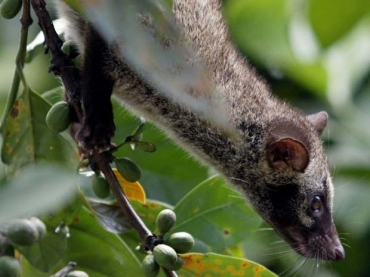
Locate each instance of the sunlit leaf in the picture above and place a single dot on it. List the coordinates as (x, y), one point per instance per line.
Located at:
(27, 139)
(259, 27)
(133, 190)
(216, 215)
(213, 265)
(333, 19)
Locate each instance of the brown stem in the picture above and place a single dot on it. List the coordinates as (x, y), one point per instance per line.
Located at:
(26, 19)
(144, 233)
(62, 65)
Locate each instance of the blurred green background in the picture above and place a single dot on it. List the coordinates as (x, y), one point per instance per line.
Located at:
(316, 55)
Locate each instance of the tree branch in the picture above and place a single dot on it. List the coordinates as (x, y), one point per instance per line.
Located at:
(63, 66)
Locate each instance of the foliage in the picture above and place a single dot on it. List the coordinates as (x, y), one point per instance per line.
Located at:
(313, 56)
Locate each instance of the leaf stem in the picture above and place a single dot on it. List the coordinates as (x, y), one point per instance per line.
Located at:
(26, 21)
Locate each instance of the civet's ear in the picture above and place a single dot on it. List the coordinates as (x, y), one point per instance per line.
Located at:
(287, 153)
(318, 121)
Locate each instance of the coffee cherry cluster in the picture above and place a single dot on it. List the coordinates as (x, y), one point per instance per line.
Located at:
(166, 255)
(25, 232)
(19, 232)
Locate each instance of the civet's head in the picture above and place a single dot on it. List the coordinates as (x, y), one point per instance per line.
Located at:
(297, 197)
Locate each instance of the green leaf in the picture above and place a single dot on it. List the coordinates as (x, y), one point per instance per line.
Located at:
(312, 76)
(54, 95)
(37, 189)
(148, 212)
(333, 19)
(45, 254)
(145, 146)
(259, 27)
(215, 215)
(211, 264)
(109, 215)
(261, 30)
(167, 180)
(96, 251)
(27, 139)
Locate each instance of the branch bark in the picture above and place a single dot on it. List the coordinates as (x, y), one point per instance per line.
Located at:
(63, 66)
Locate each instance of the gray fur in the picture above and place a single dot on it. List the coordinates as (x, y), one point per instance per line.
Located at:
(260, 120)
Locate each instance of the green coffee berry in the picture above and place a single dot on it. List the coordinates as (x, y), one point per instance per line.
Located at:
(10, 8)
(165, 255)
(128, 169)
(182, 242)
(149, 266)
(9, 267)
(177, 265)
(22, 232)
(100, 186)
(77, 273)
(165, 221)
(59, 117)
(40, 226)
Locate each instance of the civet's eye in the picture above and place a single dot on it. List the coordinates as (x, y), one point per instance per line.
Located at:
(316, 204)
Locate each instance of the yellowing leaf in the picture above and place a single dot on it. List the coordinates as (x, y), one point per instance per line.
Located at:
(133, 190)
(213, 265)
